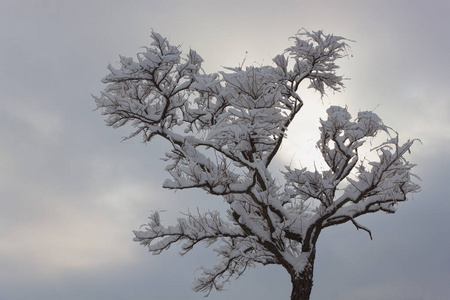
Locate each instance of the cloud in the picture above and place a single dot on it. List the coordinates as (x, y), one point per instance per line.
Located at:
(39, 120)
(50, 232)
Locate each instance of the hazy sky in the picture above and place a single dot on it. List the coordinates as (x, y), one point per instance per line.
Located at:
(71, 192)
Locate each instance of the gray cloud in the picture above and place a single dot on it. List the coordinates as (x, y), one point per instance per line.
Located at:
(71, 192)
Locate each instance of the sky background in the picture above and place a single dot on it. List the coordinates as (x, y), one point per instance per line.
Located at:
(71, 193)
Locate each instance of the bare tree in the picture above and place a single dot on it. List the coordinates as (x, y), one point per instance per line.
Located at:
(224, 130)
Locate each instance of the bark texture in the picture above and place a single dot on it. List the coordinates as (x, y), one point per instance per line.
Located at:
(302, 283)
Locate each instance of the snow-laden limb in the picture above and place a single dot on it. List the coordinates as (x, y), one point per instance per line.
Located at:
(339, 141)
(237, 249)
(315, 54)
(191, 169)
(151, 90)
(236, 256)
(224, 129)
(382, 185)
(192, 229)
(371, 186)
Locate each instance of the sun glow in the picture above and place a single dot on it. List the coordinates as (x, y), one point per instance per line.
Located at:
(299, 148)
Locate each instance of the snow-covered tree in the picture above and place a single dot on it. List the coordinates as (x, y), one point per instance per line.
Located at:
(224, 130)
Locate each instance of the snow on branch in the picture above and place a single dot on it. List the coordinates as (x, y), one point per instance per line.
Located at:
(315, 54)
(238, 250)
(371, 186)
(191, 230)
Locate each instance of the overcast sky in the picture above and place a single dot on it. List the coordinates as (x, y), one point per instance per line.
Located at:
(71, 192)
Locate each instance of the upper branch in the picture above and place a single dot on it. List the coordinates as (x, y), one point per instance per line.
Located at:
(315, 54)
(371, 186)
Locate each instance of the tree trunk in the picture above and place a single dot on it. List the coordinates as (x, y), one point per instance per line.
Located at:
(302, 283)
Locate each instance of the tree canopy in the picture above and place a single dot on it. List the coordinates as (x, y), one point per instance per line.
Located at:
(224, 130)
